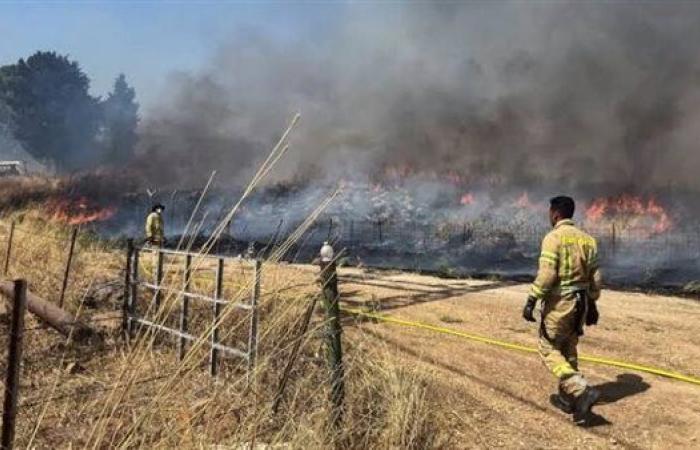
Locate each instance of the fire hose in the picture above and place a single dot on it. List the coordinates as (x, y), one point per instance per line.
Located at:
(522, 348)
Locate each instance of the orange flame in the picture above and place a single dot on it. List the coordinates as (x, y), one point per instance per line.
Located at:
(78, 211)
(647, 216)
(467, 199)
(523, 202)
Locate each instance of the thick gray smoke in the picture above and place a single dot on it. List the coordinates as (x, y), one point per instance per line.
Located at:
(576, 95)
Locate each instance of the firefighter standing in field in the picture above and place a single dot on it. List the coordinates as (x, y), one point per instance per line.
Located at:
(155, 232)
(568, 284)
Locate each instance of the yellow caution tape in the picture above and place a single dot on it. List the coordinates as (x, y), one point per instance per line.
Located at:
(523, 348)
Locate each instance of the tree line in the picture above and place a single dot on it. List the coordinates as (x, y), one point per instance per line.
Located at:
(46, 106)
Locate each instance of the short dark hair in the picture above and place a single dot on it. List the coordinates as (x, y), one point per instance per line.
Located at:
(156, 206)
(563, 205)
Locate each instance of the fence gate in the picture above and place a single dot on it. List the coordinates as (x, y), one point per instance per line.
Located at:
(157, 319)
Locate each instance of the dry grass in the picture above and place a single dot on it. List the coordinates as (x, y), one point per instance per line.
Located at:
(137, 394)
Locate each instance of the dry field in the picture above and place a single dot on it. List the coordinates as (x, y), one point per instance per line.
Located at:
(407, 388)
(501, 396)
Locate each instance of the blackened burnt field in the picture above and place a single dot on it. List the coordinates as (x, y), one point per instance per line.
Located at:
(645, 241)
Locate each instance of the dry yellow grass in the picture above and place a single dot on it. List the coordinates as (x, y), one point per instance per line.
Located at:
(405, 388)
(137, 394)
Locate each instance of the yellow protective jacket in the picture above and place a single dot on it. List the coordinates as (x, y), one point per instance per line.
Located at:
(154, 227)
(568, 262)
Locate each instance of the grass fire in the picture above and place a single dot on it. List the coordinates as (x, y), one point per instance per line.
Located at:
(362, 225)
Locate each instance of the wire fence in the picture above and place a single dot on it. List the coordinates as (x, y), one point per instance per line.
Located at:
(630, 256)
(39, 249)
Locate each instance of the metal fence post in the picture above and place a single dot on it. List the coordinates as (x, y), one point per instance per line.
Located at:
(133, 294)
(8, 251)
(14, 361)
(158, 279)
(253, 335)
(127, 285)
(69, 261)
(184, 309)
(329, 284)
(218, 293)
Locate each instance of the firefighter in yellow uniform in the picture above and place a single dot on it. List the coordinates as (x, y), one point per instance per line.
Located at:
(568, 285)
(155, 232)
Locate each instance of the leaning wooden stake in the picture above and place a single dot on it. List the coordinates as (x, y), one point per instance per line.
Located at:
(293, 356)
(329, 284)
(8, 251)
(69, 261)
(14, 361)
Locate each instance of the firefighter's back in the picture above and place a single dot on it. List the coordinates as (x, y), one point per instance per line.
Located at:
(578, 255)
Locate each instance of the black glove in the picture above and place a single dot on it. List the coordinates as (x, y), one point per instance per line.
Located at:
(529, 309)
(592, 315)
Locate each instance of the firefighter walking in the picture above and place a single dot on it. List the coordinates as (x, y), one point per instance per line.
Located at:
(568, 286)
(155, 231)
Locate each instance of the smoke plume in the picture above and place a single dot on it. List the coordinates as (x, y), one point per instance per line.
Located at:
(574, 95)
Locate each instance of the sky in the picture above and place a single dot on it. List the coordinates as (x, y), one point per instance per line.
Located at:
(148, 40)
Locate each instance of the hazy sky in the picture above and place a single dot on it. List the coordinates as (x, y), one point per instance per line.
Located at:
(147, 40)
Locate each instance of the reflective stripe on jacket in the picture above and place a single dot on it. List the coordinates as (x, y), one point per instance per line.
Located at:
(568, 262)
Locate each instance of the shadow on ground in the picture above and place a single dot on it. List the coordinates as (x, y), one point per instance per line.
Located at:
(626, 385)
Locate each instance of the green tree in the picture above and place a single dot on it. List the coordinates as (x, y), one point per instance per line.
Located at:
(53, 115)
(120, 119)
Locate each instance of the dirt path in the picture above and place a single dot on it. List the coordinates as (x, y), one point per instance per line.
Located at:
(501, 397)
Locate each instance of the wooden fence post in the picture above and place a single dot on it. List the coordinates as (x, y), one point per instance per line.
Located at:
(14, 361)
(8, 251)
(329, 283)
(218, 294)
(127, 286)
(69, 261)
(184, 309)
(253, 334)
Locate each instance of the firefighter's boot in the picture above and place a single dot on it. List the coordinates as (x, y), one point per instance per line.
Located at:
(562, 401)
(583, 405)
